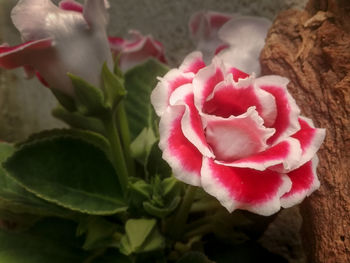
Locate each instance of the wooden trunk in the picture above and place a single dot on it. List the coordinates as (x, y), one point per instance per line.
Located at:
(312, 49)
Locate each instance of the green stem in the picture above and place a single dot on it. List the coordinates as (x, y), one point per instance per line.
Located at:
(202, 206)
(117, 151)
(123, 126)
(202, 230)
(180, 219)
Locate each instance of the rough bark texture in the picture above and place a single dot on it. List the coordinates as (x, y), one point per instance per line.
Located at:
(312, 49)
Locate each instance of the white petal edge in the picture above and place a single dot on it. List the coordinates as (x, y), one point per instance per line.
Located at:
(216, 189)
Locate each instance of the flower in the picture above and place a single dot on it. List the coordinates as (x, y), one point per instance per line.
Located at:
(58, 40)
(236, 39)
(136, 49)
(239, 137)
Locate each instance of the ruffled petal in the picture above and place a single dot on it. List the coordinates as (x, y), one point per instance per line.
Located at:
(166, 86)
(184, 158)
(284, 156)
(23, 54)
(191, 123)
(304, 182)
(236, 137)
(192, 63)
(136, 49)
(246, 37)
(238, 188)
(310, 139)
(231, 98)
(205, 81)
(237, 74)
(286, 122)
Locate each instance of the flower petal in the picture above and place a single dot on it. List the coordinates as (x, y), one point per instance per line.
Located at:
(236, 137)
(310, 139)
(166, 86)
(184, 158)
(191, 123)
(246, 37)
(192, 63)
(286, 122)
(23, 54)
(286, 153)
(136, 49)
(304, 182)
(71, 5)
(248, 189)
(205, 81)
(231, 98)
(95, 13)
(204, 27)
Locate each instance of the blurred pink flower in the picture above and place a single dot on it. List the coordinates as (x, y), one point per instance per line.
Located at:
(57, 40)
(136, 49)
(236, 39)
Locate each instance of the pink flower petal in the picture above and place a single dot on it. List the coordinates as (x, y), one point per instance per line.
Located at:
(71, 5)
(237, 74)
(304, 182)
(191, 123)
(33, 27)
(137, 50)
(204, 27)
(166, 86)
(236, 137)
(248, 189)
(184, 158)
(205, 81)
(286, 153)
(230, 98)
(23, 54)
(286, 122)
(192, 63)
(246, 37)
(95, 14)
(310, 138)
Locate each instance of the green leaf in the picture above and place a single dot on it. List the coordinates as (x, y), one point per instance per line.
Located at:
(164, 211)
(15, 200)
(139, 83)
(113, 256)
(99, 232)
(93, 138)
(79, 121)
(49, 241)
(195, 257)
(142, 145)
(66, 101)
(89, 99)
(141, 236)
(155, 165)
(69, 172)
(140, 187)
(113, 87)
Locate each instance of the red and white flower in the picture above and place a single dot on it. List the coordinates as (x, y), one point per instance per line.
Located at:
(239, 137)
(58, 40)
(136, 49)
(236, 39)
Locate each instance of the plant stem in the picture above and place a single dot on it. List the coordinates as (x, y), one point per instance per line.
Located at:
(180, 219)
(123, 126)
(203, 229)
(117, 151)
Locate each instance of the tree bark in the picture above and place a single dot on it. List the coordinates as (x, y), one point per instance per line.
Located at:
(312, 49)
